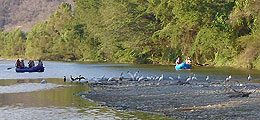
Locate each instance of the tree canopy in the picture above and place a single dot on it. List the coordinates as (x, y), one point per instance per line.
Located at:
(219, 32)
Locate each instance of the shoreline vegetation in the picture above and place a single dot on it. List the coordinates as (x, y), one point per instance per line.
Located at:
(219, 33)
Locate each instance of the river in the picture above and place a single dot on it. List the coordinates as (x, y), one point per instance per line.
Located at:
(23, 97)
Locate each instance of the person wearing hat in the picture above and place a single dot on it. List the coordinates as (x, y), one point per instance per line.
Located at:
(178, 61)
(188, 60)
(40, 62)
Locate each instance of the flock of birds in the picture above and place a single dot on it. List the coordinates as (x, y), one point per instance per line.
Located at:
(138, 77)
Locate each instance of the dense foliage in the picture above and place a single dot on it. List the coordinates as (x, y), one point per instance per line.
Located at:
(220, 32)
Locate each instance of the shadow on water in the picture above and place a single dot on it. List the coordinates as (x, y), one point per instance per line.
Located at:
(59, 101)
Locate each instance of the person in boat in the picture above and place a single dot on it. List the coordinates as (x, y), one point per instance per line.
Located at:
(22, 64)
(18, 64)
(31, 64)
(178, 61)
(188, 60)
(40, 62)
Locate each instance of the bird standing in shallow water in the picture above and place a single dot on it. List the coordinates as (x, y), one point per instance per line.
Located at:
(194, 77)
(188, 79)
(161, 78)
(207, 78)
(228, 78)
(43, 82)
(121, 76)
(110, 79)
(171, 78)
(179, 77)
(140, 78)
(136, 75)
(249, 77)
(72, 79)
(64, 78)
(131, 74)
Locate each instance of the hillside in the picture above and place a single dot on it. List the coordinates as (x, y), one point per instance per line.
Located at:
(24, 14)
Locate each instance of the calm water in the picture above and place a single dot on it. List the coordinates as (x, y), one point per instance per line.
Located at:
(60, 69)
(22, 97)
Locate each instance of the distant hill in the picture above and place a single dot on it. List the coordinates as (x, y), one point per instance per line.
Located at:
(24, 14)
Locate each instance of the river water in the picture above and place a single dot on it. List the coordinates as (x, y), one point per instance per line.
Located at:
(23, 97)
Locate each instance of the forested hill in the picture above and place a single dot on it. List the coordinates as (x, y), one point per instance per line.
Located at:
(217, 32)
(24, 14)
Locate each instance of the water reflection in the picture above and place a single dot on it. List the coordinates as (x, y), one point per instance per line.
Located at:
(58, 103)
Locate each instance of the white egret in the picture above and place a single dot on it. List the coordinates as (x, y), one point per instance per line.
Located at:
(171, 78)
(110, 78)
(121, 76)
(136, 75)
(249, 77)
(161, 78)
(228, 78)
(149, 78)
(43, 82)
(207, 78)
(140, 78)
(131, 74)
(188, 79)
(194, 77)
(179, 77)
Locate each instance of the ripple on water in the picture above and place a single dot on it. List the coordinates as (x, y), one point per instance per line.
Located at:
(40, 113)
(27, 87)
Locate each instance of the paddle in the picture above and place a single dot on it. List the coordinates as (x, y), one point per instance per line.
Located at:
(9, 68)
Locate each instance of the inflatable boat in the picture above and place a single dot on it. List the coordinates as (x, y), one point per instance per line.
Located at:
(183, 65)
(33, 69)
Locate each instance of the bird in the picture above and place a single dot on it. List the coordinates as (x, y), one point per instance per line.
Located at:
(149, 78)
(171, 78)
(249, 77)
(179, 77)
(110, 78)
(80, 77)
(103, 77)
(228, 78)
(188, 79)
(83, 81)
(136, 75)
(161, 78)
(152, 78)
(43, 82)
(156, 77)
(207, 78)
(121, 76)
(140, 78)
(131, 74)
(64, 78)
(194, 77)
(72, 79)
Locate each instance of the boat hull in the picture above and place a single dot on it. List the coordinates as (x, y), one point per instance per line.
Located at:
(33, 69)
(183, 65)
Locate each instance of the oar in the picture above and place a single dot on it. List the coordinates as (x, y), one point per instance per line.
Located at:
(9, 68)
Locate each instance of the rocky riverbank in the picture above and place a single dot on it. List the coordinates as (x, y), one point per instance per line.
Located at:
(194, 100)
